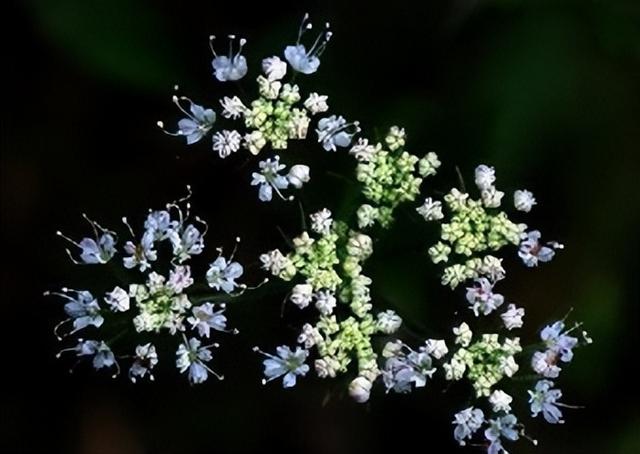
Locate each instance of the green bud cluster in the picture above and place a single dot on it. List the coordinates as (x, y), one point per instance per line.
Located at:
(274, 114)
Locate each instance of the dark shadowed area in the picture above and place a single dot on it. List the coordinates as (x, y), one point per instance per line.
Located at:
(548, 92)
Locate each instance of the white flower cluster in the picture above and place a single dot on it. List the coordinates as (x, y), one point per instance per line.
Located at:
(161, 304)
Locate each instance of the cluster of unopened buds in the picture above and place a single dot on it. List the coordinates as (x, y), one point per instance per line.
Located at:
(151, 294)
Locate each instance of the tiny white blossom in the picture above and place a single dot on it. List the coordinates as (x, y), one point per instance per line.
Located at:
(146, 359)
(512, 318)
(482, 298)
(325, 302)
(532, 251)
(226, 142)
(395, 138)
(309, 336)
(463, 334)
(367, 215)
(491, 197)
(436, 348)
(321, 221)
(467, 422)
(288, 363)
(269, 89)
(301, 295)
(232, 107)
(269, 179)
(430, 210)
(363, 151)
(204, 318)
(523, 200)
(274, 68)
(544, 399)
(500, 401)
(485, 176)
(335, 132)
(298, 175)
(360, 389)
(316, 103)
(388, 322)
(191, 357)
(274, 261)
(229, 67)
(544, 363)
(118, 299)
(222, 274)
(254, 142)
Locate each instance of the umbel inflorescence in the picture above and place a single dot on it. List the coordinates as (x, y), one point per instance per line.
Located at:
(150, 293)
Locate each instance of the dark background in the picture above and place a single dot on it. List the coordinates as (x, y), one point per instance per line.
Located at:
(546, 91)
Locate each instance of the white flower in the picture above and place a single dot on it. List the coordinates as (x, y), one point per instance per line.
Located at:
(544, 399)
(316, 103)
(223, 274)
(367, 215)
(269, 179)
(142, 253)
(298, 175)
(321, 221)
(146, 359)
(191, 356)
(500, 401)
(325, 302)
(467, 422)
(395, 138)
(301, 295)
(191, 242)
(274, 68)
(274, 261)
(428, 165)
(363, 151)
(523, 200)
(229, 67)
(326, 367)
(512, 318)
(204, 318)
(405, 367)
(463, 334)
(226, 142)
(84, 310)
(301, 60)
(509, 366)
(455, 369)
(254, 142)
(298, 124)
(485, 176)
(491, 197)
(388, 322)
(288, 363)
(179, 279)
(232, 107)
(360, 389)
(531, 251)
(268, 88)
(359, 246)
(430, 210)
(309, 336)
(336, 132)
(492, 268)
(118, 299)
(544, 363)
(482, 298)
(436, 348)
